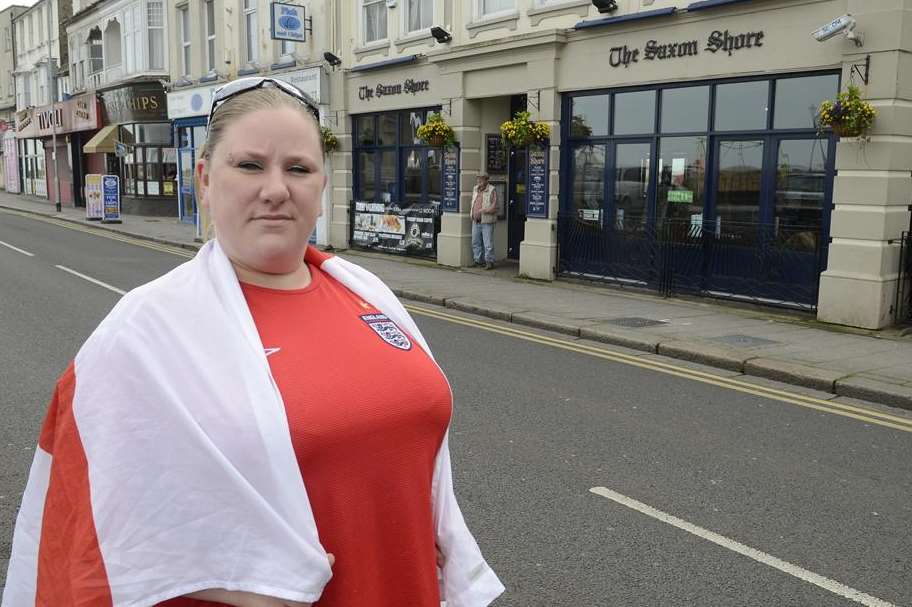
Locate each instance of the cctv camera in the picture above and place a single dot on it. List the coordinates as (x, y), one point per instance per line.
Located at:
(845, 23)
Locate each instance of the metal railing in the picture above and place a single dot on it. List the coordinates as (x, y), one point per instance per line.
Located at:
(776, 264)
(903, 304)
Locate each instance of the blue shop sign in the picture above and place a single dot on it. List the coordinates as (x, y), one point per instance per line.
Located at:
(110, 191)
(289, 22)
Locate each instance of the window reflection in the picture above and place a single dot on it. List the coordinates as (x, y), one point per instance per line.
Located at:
(631, 185)
(364, 127)
(410, 123)
(634, 113)
(588, 189)
(740, 168)
(742, 106)
(685, 109)
(682, 169)
(411, 176)
(800, 183)
(589, 116)
(366, 176)
(797, 100)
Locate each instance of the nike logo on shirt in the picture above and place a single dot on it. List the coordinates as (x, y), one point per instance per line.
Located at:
(271, 351)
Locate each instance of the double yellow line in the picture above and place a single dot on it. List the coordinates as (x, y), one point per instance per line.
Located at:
(864, 414)
(97, 231)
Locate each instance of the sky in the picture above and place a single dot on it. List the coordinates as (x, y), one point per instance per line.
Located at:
(6, 3)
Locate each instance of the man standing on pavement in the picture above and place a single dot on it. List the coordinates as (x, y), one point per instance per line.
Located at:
(484, 216)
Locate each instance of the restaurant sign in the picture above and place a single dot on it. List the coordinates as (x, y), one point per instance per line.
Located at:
(655, 50)
(70, 116)
(136, 103)
(407, 87)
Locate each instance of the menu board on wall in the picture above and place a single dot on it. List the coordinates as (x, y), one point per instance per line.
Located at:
(390, 227)
(451, 179)
(496, 159)
(537, 188)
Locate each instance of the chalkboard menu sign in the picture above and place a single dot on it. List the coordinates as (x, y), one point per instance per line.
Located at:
(537, 187)
(451, 179)
(497, 154)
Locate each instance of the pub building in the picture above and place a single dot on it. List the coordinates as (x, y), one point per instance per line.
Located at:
(138, 146)
(684, 155)
(74, 121)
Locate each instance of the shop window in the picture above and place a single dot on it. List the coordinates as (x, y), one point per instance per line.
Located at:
(367, 180)
(800, 192)
(685, 110)
(389, 124)
(739, 167)
(588, 185)
(364, 129)
(388, 180)
(419, 15)
(634, 113)
(374, 20)
(150, 167)
(409, 123)
(590, 116)
(680, 192)
(742, 106)
(797, 100)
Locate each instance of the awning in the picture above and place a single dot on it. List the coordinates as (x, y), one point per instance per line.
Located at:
(387, 63)
(103, 141)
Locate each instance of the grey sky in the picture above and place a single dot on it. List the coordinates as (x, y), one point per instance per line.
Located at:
(5, 3)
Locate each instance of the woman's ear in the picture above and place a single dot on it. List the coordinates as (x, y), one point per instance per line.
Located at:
(201, 181)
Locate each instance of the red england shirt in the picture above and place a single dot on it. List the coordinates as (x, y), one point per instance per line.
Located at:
(367, 409)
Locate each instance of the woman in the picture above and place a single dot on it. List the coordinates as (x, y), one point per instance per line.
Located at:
(170, 467)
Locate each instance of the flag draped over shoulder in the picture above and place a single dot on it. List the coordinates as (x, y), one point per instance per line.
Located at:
(165, 464)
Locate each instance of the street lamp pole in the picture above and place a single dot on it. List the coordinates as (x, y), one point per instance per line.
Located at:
(52, 94)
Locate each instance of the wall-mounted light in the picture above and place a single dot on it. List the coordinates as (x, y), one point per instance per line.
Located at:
(605, 6)
(331, 59)
(440, 34)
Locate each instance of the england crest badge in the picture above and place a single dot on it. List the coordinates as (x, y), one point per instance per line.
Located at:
(388, 331)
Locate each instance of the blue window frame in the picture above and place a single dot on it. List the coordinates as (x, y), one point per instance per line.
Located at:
(189, 135)
(397, 183)
(743, 158)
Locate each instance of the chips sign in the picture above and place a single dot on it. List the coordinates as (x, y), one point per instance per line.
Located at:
(288, 22)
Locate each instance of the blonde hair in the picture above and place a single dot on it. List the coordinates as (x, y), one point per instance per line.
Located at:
(264, 98)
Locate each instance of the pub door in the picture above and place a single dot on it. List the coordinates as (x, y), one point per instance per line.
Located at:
(516, 200)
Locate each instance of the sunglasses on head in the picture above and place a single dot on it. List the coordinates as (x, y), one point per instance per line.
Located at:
(243, 85)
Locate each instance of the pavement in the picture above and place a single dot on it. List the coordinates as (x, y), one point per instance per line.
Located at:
(790, 347)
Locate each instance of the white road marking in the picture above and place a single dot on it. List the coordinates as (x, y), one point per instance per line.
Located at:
(92, 280)
(8, 245)
(793, 570)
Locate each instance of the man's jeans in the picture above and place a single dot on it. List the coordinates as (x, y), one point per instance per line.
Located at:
(483, 233)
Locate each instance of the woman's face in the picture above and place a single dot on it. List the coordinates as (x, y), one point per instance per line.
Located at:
(262, 185)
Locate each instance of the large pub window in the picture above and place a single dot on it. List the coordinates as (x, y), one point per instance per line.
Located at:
(735, 170)
(397, 183)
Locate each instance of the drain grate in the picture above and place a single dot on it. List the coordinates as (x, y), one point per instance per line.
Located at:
(745, 341)
(636, 322)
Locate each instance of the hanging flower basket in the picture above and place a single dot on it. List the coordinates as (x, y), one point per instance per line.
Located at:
(330, 141)
(520, 131)
(848, 115)
(436, 131)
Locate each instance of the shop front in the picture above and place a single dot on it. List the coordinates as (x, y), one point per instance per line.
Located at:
(397, 180)
(69, 123)
(712, 177)
(139, 145)
(188, 109)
